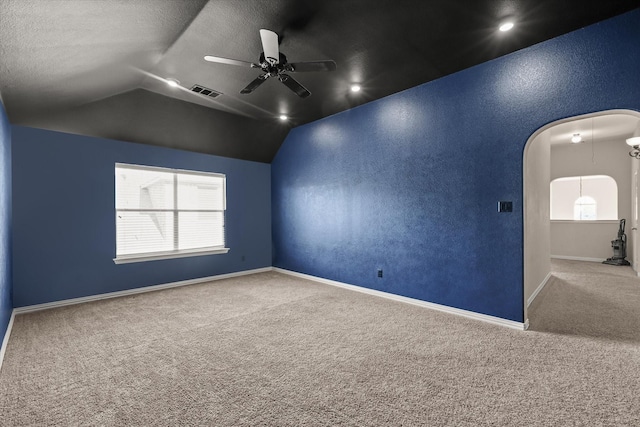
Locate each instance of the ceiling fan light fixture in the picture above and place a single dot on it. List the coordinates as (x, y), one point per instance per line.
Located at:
(576, 138)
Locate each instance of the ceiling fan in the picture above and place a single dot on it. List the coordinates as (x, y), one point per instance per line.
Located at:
(273, 63)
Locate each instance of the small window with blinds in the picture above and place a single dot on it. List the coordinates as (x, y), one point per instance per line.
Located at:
(168, 213)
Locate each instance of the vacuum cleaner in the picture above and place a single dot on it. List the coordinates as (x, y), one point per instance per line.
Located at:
(619, 248)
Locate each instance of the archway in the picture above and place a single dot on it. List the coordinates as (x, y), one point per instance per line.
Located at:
(599, 127)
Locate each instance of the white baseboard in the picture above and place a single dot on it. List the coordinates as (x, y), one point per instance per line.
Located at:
(48, 305)
(465, 313)
(538, 289)
(577, 258)
(5, 340)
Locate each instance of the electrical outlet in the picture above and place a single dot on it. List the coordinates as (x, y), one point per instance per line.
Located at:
(379, 272)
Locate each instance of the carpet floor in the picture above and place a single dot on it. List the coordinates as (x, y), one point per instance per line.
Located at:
(273, 350)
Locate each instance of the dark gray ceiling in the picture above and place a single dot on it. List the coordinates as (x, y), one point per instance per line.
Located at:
(98, 67)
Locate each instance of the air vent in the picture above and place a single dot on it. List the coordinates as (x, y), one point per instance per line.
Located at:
(205, 91)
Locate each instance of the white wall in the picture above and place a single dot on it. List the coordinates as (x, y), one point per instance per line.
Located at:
(633, 236)
(585, 240)
(537, 263)
(592, 239)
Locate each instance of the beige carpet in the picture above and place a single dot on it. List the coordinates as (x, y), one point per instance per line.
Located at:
(272, 350)
(590, 299)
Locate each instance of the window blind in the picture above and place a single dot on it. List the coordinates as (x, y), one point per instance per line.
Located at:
(162, 210)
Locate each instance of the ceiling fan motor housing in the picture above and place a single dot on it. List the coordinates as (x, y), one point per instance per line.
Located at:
(273, 69)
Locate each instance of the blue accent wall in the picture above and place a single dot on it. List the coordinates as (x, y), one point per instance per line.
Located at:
(6, 305)
(410, 183)
(64, 218)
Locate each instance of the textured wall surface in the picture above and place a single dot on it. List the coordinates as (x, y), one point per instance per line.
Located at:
(409, 183)
(64, 218)
(6, 305)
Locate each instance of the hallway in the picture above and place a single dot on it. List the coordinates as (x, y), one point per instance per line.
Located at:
(589, 299)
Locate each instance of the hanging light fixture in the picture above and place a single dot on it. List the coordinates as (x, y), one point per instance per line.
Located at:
(635, 143)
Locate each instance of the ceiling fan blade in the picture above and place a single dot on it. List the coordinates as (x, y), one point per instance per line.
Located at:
(230, 61)
(270, 46)
(255, 83)
(293, 84)
(303, 67)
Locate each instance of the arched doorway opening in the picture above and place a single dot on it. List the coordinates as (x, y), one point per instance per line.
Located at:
(602, 144)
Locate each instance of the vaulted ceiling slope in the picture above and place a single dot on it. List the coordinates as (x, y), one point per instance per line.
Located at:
(100, 67)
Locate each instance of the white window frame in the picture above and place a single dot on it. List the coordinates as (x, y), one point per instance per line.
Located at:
(176, 253)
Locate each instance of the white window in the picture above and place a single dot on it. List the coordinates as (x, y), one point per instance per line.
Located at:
(584, 209)
(168, 213)
(584, 198)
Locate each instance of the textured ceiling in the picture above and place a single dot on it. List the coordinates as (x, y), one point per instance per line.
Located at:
(98, 67)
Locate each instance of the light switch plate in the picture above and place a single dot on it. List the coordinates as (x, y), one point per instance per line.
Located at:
(505, 206)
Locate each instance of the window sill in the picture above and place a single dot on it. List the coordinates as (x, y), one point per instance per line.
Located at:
(126, 259)
(586, 221)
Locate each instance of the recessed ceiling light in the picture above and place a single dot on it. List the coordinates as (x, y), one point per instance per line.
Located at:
(355, 88)
(283, 117)
(576, 138)
(506, 25)
(173, 82)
